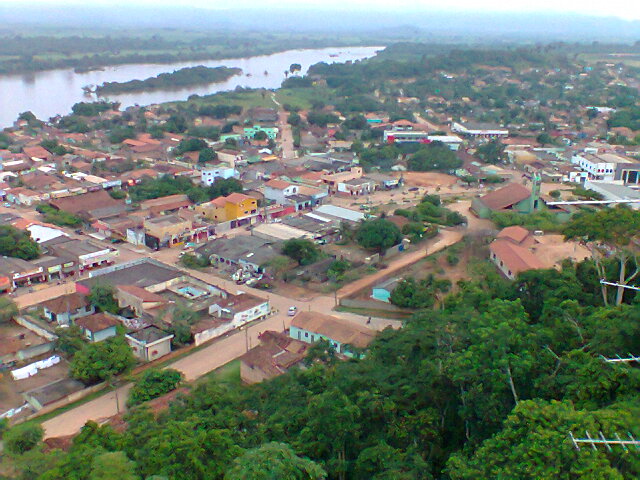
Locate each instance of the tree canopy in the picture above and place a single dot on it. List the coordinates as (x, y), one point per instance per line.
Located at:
(100, 361)
(301, 250)
(17, 243)
(378, 234)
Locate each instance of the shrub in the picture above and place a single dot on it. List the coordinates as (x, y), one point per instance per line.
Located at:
(154, 383)
(22, 438)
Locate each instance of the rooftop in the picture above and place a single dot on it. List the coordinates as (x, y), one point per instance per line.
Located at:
(505, 196)
(144, 272)
(66, 303)
(335, 328)
(97, 322)
(149, 334)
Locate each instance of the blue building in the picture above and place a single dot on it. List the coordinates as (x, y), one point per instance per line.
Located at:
(347, 338)
(382, 291)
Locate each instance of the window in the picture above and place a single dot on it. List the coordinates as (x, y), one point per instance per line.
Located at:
(306, 334)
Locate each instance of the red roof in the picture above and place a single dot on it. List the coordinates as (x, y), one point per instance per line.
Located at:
(506, 196)
(516, 233)
(277, 184)
(516, 258)
(97, 322)
(37, 152)
(236, 197)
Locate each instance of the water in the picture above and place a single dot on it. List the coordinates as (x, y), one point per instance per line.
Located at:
(54, 92)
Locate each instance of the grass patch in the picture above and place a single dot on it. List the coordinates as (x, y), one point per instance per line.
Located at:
(246, 99)
(303, 98)
(228, 373)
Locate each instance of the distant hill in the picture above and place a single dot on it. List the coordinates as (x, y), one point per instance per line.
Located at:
(426, 25)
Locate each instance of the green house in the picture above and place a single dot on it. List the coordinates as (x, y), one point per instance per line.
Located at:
(271, 132)
(514, 197)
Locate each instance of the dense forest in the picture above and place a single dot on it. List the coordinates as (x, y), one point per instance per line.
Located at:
(185, 77)
(488, 385)
(21, 53)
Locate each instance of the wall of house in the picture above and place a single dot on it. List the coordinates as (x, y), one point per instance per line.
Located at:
(241, 209)
(252, 314)
(502, 266)
(210, 334)
(157, 350)
(312, 337)
(103, 334)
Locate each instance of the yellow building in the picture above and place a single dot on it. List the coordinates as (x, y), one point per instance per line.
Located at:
(236, 206)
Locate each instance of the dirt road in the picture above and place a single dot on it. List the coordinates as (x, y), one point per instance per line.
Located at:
(446, 238)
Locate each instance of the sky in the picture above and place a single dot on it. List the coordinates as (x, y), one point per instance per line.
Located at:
(625, 9)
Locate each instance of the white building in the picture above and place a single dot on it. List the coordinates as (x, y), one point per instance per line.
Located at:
(480, 130)
(210, 174)
(278, 190)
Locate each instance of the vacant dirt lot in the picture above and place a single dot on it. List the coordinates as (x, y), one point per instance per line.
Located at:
(427, 179)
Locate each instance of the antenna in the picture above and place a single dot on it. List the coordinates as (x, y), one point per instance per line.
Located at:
(614, 284)
(619, 359)
(595, 442)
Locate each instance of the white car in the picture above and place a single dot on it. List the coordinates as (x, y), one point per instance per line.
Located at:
(292, 311)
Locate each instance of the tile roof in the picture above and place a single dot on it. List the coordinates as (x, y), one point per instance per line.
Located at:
(335, 328)
(86, 202)
(516, 233)
(97, 322)
(516, 258)
(236, 197)
(506, 196)
(277, 184)
(66, 303)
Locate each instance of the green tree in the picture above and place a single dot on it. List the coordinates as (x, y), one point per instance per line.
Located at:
(111, 466)
(18, 244)
(491, 152)
(378, 234)
(294, 119)
(222, 187)
(274, 460)
(182, 318)
(434, 156)
(535, 427)
(102, 296)
(101, 361)
(8, 310)
(207, 155)
(545, 139)
(70, 340)
(301, 250)
(152, 384)
(609, 230)
(22, 438)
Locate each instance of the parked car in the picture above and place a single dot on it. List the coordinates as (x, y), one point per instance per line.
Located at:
(292, 311)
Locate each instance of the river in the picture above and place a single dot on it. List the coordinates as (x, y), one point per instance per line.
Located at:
(54, 92)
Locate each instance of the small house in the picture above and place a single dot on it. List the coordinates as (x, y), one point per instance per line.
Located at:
(99, 326)
(149, 343)
(67, 308)
(346, 337)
